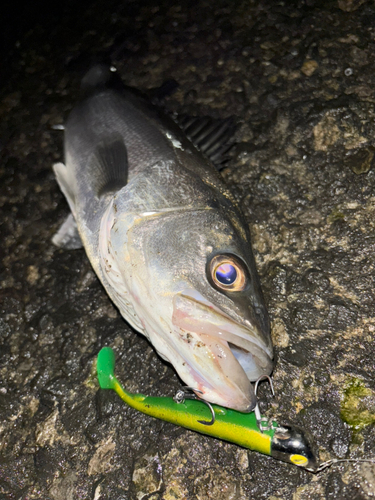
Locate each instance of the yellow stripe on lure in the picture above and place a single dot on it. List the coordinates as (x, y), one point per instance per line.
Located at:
(280, 441)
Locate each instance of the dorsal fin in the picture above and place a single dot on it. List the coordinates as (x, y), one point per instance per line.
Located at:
(109, 166)
(213, 137)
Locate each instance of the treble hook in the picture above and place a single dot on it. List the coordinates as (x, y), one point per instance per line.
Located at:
(263, 423)
(181, 395)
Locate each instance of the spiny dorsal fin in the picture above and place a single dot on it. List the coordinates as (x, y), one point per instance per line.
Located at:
(109, 166)
(212, 137)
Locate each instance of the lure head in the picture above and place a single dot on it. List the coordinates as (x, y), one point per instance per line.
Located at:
(291, 445)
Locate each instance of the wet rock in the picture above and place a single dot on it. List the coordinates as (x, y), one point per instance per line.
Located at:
(360, 162)
(297, 355)
(350, 5)
(309, 67)
(334, 435)
(100, 462)
(64, 488)
(217, 484)
(147, 476)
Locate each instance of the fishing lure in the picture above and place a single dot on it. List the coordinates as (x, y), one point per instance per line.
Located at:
(249, 430)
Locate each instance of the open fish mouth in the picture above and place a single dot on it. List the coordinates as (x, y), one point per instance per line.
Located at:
(221, 356)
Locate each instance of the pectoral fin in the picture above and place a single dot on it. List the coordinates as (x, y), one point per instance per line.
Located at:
(66, 184)
(108, 166)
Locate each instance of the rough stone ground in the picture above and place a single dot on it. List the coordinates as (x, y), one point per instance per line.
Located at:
(300, 78)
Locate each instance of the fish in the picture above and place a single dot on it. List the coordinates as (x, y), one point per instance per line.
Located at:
(166, 238)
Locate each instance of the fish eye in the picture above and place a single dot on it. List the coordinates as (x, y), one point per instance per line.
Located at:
(227, 273)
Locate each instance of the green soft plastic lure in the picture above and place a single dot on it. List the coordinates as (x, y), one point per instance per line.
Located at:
(279, 441)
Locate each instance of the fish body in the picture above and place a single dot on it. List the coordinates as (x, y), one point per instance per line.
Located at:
(168, 242)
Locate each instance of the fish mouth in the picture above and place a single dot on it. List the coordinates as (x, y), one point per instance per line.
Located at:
(221, 356)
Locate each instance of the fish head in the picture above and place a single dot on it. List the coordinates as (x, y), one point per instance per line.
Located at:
(190, 275)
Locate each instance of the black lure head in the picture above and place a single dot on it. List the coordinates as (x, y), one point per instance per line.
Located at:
(290, 444)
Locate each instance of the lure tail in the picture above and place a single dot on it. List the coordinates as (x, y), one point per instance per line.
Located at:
(105, 367)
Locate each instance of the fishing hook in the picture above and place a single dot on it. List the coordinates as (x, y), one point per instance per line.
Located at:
(181, 395)
(263, 423)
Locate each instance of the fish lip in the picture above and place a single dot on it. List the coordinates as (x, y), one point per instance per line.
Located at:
(246, 329)
(194, 314)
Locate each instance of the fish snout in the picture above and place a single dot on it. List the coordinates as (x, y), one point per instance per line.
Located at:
(221, 356)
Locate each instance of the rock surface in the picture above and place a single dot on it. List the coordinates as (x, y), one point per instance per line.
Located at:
(300, 78)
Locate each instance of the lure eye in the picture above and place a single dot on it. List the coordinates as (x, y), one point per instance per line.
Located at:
(227, 273)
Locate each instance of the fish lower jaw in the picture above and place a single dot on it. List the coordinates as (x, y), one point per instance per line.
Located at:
(244, 405)
(210, 368)
(235, 398)
(221, 357)
(228, 384)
